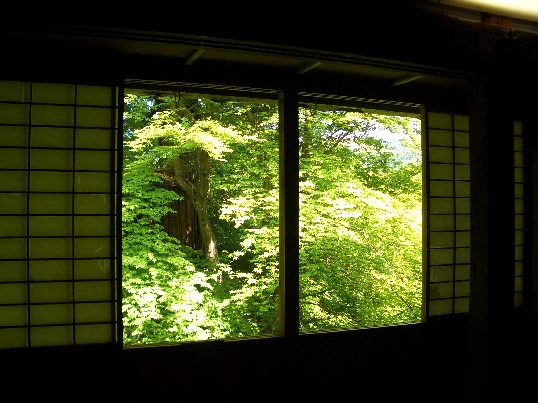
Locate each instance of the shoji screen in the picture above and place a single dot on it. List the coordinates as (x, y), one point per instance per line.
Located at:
(58, 146)
(448, 214)
(519, 212)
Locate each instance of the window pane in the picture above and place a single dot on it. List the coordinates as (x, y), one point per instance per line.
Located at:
(360, 219)
(200, 217)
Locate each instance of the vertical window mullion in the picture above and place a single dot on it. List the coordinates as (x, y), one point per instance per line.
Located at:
(289, 212)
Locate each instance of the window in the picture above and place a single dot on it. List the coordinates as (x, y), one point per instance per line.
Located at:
(60, 258)
(201, 216)
(360, 218)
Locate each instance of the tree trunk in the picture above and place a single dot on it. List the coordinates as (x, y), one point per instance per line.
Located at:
(182, 224)
(191, 175)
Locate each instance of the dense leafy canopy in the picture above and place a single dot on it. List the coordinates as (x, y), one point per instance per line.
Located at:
(360, 218)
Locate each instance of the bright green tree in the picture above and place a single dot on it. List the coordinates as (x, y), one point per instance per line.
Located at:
(360, 219)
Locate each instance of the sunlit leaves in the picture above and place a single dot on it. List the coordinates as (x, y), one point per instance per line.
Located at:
(360, 233)
(360, 220)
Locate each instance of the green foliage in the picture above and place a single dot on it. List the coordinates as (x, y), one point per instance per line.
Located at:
(359, 257)
(163, 292)
(360, 204)
(360, 212)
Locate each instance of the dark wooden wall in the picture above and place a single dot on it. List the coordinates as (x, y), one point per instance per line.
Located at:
(469, 357)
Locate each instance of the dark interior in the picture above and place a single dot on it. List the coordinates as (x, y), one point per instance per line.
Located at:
(406, 52)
